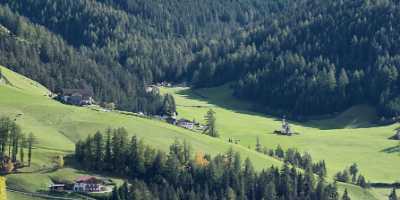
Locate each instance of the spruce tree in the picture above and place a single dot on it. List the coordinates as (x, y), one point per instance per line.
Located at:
(31, 141)
(211, 128)
(108, 153)
(115, 195)
(98, 150)
(21, 148)
(345, 195)
(353, 172)
(393, 195)
(258, 145)
(270, 192)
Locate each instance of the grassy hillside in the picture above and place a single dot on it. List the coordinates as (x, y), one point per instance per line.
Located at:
(340, 140)
(353, 137)
(58, 126)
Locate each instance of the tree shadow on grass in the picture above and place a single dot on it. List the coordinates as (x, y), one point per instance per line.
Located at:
(228, 102)
(394, 149)
(224, 99)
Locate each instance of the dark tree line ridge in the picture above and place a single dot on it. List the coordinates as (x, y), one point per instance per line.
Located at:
(156, 174)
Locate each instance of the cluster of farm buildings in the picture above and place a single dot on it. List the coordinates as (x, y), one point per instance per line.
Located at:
(82, 97)
(84, 184)
(184, 123)
(77, 97)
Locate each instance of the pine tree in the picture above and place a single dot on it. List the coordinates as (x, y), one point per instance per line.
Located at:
(353, 172)
(270, 192)
(320, 190)
(22, 147)
(279, 152)
(362, 182)
(98, 150)
(169, 106)
(393, 195)
(31, 140)
(107, 151)
(343, 79)
(230, 194)
(210, 119)
(4, 134)
(258, 145)
(172, 168)
(15, 139)
(115, 195)
(345, 195)
(331, 193)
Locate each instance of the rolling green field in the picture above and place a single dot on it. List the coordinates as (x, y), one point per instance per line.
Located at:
(58, 126)
(341, 140)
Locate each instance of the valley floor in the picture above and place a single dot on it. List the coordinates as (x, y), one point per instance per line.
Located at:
(349, 137)
(57, 127)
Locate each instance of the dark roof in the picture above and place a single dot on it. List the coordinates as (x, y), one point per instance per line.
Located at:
(88, 179)
(184, 120)
(83, 92)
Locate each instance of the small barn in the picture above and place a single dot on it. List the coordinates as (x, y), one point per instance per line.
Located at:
(77, 97)
(185, 123)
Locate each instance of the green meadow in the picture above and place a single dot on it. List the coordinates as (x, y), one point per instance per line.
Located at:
(58, 126)
(343, 139)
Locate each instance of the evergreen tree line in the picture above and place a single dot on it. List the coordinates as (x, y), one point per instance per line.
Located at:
(350, 175)
(154, 174)
(295, 158)
(13, 145)
(319, 57)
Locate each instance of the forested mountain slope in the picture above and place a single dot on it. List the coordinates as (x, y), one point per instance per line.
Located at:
(307, 57)
(118, 47)
(321, 57)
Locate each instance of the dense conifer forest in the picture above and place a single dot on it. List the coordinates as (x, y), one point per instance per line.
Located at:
(320, 57)
(155, 174)
(306, 57)
(116, 47)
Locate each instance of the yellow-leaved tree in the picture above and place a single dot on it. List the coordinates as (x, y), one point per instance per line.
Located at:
(3, 194)
(200, 160)
(59, 161)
